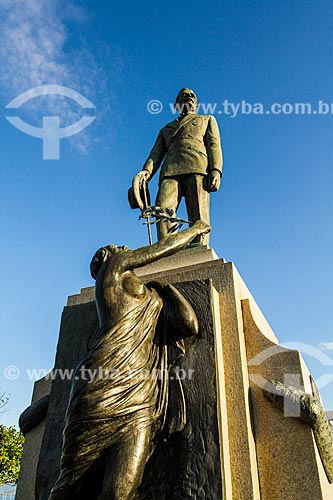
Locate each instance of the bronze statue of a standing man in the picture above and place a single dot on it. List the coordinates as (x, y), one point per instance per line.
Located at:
(191, 149)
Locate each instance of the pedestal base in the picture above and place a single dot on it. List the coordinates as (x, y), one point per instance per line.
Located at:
(236, 445)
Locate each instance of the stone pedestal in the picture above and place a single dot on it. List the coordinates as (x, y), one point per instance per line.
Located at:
(236, 445)
(32, 445)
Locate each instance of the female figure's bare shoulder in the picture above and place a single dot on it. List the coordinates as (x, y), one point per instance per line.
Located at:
(133, 285)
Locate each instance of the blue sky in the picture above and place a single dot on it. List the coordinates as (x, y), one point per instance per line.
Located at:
(273, 214)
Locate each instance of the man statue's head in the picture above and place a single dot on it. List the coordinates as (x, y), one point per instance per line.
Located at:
(102, 255)
(186, 102)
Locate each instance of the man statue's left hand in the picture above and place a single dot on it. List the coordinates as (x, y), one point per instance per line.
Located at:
(214, 179)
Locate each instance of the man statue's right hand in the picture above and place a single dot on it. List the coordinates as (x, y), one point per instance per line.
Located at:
(143, 176)
(202, 227)
(140, 190)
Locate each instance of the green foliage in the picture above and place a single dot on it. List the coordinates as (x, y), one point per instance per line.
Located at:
(11, 447)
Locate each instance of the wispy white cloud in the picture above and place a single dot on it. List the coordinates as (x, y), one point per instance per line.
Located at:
(326, 346)
(38, 47)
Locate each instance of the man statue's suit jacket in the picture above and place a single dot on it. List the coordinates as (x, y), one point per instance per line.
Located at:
(188, 146)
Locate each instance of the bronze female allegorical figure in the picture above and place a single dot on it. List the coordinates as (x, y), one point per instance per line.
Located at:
(115, 419)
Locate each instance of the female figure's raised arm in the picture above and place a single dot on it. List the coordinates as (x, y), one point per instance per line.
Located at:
(165, 247)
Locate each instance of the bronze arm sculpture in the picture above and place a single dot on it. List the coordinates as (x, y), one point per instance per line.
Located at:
(115, 417)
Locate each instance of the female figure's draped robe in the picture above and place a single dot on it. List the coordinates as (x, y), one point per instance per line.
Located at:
(129, 390)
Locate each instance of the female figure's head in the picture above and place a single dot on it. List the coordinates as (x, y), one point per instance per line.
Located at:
(102, 255)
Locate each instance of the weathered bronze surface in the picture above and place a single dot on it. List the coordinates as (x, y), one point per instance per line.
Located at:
(187, 466)
(116, 416)
(33, 415)
(310, 411)
(191, 149)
